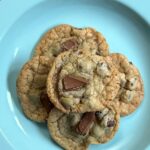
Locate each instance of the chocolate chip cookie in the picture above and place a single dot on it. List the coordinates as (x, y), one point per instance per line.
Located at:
(80, 82)
(77, 130)
(131, 91)
(31, 88)
(65, 37)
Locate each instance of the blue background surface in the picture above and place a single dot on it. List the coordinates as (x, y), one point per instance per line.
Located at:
(22, 23)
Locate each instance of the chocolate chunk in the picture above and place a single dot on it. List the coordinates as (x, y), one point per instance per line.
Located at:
(71, 82)
(69, 44)
(99, 115)
(131, 62)
(46, 102)
(110, 123)
(98, 52)
(85, 123)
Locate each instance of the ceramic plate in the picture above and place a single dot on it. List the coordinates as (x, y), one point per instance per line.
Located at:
(22, 24)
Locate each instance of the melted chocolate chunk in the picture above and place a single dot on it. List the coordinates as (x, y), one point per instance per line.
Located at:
(131, 62)
(85, 123)
(99, 115)
(46, 101)
(69, 44)
(71, 82)
(110, 123)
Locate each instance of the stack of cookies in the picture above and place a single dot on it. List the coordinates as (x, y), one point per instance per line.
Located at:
(75, 85)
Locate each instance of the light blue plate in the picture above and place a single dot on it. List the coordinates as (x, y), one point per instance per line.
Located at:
(25, 22)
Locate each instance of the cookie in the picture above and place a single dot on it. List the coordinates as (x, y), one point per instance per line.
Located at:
(77, 130)
(131, 91)
(65, 37)
(79, 82)
(31, 88)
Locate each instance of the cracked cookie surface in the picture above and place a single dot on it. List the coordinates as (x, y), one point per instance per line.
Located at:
(31, 88)
(131, 91)
(80, 82)
(77, 130)
(65, 37)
